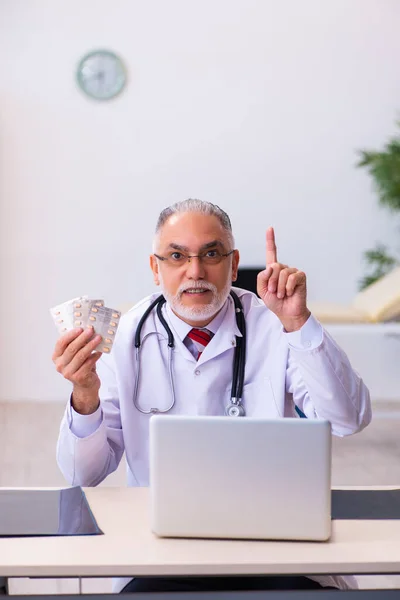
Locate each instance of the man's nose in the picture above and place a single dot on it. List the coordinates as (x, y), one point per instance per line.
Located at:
(195, 268)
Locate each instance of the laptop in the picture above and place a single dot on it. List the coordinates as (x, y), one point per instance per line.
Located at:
(240, 478)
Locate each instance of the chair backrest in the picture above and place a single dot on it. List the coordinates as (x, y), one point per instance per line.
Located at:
(247, 278)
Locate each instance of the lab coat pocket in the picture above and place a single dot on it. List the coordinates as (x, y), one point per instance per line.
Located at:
(259, 400)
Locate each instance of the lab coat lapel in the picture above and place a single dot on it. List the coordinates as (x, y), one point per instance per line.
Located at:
(224, 339)
(183, 351)
(179, 346)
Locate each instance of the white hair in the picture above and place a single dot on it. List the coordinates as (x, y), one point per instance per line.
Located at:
(195, 206)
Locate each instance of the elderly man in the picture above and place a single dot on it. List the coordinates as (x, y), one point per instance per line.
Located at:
(291, 362)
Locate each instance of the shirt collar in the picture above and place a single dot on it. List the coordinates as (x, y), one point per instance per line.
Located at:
(182, 329)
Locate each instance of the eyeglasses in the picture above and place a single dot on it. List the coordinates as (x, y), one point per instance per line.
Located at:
(209, 257)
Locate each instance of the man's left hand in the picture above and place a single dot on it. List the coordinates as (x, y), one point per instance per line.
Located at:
(283, 289)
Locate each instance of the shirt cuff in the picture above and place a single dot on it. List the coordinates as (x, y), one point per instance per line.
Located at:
(84, 425)
(307, 337)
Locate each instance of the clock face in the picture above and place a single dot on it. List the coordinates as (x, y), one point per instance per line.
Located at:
(101, 75)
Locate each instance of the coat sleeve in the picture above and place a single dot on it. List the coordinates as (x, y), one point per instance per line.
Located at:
(324, 385)
(91, 447)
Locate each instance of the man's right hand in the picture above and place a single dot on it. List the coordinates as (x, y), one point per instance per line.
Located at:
(74, 358)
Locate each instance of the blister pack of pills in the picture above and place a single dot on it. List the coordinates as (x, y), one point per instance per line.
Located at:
(83, 312)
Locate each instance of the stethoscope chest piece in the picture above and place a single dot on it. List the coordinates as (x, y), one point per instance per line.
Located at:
(234, 410)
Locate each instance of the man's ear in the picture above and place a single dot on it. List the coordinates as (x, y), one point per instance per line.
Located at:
(235, 264)
(154, 268)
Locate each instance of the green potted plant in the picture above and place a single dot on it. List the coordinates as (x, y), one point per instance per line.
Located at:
(384, 168)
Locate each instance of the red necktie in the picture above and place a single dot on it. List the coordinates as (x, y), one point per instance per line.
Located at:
(200, 338)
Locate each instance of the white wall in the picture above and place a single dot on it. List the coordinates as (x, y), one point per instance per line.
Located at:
(257, 105)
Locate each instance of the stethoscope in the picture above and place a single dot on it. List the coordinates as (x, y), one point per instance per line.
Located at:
(235, 407)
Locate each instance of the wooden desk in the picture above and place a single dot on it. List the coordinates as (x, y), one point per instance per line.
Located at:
(322, 594)
(129, 548)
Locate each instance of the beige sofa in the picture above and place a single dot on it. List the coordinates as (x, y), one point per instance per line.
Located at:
(368, 330)
(378, 303)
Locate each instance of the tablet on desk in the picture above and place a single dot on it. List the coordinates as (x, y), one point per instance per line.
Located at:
(247, 478)
(25, 512)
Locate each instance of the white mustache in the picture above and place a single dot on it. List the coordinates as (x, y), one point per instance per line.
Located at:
(197, 285)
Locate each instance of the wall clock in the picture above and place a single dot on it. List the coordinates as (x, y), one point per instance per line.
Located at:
(101, 75)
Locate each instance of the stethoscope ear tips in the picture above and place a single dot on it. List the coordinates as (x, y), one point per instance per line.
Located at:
(234, 410)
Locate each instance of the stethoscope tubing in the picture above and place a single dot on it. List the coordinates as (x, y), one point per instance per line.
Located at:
(235, 408)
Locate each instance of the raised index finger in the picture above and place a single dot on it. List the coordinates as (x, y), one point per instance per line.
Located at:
(271, 246)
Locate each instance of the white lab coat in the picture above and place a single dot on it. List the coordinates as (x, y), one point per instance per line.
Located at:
(304, 368)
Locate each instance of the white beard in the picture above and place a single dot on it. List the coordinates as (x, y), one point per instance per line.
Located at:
(199, 312)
